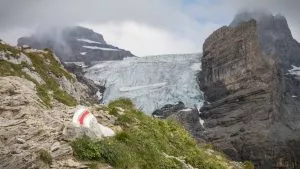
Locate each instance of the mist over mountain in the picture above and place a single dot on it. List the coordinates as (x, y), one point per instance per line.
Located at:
(74, 44)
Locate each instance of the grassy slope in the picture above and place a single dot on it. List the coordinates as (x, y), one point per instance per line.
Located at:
(145, 142)
(46, 66)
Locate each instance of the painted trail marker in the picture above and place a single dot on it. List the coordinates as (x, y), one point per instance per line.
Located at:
(83, 117)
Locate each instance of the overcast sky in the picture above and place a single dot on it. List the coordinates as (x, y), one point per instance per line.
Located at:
(145, 27)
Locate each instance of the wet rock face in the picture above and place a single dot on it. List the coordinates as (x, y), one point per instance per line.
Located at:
(168, 110)
(251, 113)
(75, 44)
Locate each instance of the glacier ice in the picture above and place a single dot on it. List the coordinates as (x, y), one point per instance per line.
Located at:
(152, 81)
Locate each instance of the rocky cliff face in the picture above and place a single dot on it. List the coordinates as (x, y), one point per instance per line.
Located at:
(75, 44)
(250, 81)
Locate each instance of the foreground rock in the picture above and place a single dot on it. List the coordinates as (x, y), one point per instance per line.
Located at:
(32, 136)
(251, 89)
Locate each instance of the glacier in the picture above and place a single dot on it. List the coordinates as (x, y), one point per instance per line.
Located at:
(151, 81)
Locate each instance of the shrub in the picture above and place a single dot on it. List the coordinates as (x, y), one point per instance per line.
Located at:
(45, 156)
(124, 103)
(7, 48)
(248, 165)
(42, 92)
(86, 149)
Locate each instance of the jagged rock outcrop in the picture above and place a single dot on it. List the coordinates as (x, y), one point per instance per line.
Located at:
(32, 136)
(168, 110)
(95, 90)
(252, 106)
(188, 117)
(75, 44)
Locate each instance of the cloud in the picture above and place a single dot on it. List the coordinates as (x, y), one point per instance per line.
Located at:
(147, 40)
(223, 11)
(142, 26)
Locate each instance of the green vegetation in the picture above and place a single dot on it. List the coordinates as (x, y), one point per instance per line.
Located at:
(49, 70)
(248, 165)
(10, 69)
(45, 156)
(15, 52)
(147, 143)
(124, 103)
(43, 94)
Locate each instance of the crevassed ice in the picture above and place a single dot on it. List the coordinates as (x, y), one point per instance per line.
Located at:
(88, 41)
(151, 82)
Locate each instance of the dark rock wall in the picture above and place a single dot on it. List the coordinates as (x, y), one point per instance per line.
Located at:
(246, 112)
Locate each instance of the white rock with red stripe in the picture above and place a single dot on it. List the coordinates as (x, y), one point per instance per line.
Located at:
(84, 118)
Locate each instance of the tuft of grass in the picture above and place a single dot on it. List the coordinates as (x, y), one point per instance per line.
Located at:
(45, 156)
(113, 111)
(248, 165)
(88, 149)
(43, 94)
(13, 50)
(64, 98)
(144, 142)
(10, 69)
(124, 103)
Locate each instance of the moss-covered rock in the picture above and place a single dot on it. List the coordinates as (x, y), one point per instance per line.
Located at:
(46, 66)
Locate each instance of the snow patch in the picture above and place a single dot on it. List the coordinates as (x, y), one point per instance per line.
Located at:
(99, 95)
(100, 48)
(201, 122)
(83, 53)
(186, 110)
(88, 41)
(294, 96)
(295, 70)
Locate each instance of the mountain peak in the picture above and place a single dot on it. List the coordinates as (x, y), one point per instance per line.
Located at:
(74, 44)
(266, 22)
